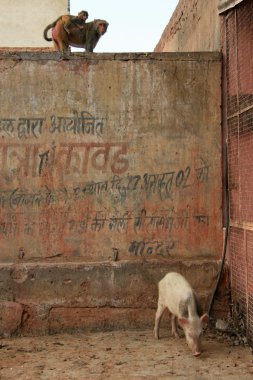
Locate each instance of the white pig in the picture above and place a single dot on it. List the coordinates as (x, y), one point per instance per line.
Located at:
(176, 294)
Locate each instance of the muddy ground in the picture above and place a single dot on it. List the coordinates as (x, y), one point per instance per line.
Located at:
(121, 355)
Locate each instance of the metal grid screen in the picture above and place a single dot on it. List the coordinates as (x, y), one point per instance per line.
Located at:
(239, 85)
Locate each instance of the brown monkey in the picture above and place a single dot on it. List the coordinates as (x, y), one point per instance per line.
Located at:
(86, 38)
(67, 20)
(79, 20)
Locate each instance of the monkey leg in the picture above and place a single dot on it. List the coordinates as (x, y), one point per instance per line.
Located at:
(56, 45)
(60, 38)
(61, 45)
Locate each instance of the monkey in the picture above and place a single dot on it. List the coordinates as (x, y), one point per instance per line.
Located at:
(67, 20)
(86, 38)
(78, 20)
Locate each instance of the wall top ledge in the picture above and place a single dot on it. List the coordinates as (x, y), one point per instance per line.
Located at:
(19, 55)
(225, 5)
(110, 264)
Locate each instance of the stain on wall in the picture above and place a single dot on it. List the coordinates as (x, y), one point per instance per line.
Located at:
(97, 154)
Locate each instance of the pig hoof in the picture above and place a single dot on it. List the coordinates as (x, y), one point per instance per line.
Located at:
(196, 354)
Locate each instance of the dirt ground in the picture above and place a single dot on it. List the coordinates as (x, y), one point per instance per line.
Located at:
(121, 355)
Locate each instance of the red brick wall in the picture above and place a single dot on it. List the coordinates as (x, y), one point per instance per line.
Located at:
(249, 248)
(238, 266)
(238, 50)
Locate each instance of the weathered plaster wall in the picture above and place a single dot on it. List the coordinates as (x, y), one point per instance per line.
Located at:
(106, 157)
(225, 5)
(22, 22)
(194, 26)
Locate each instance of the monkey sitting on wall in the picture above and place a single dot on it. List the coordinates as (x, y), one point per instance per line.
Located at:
(87, 37)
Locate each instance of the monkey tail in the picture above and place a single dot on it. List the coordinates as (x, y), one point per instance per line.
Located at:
(45, 33)
(49, 27)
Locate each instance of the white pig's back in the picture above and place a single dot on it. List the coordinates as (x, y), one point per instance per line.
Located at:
(174, 290)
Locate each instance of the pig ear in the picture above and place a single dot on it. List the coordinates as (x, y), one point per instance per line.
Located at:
(183, 321)
(204, 318)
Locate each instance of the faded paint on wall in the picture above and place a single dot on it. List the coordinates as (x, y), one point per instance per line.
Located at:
(194, 26)
(110, 152)
(22, 22)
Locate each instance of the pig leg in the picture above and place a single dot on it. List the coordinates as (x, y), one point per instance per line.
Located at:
(174, 326)
(159, 313)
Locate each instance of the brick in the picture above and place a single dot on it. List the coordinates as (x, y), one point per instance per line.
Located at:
(10, 317)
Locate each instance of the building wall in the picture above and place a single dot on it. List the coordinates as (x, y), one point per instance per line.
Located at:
(22, 22)
(110, 177)
(225, 5)
(194, 26)
(238, 43)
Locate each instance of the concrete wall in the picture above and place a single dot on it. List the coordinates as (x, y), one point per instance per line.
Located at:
(110, 176)
(22, 22)
(194, 26)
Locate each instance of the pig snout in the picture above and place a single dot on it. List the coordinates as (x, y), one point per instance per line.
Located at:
(196, 350)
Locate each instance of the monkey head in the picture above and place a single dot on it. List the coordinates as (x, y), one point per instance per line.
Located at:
(101, 26)
(83, 15)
